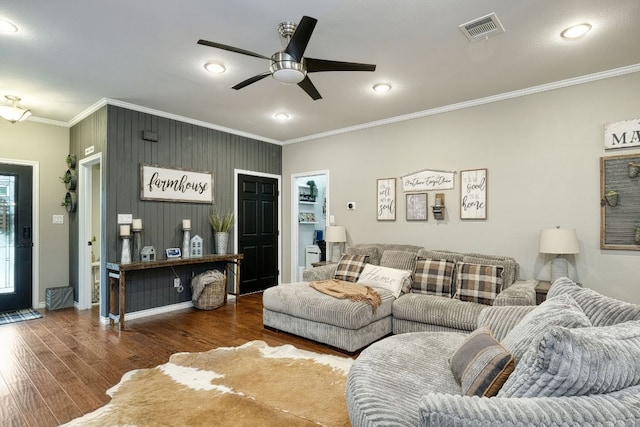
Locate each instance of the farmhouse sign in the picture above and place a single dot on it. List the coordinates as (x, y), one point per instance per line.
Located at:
(622, 134)
(427, 180)
(175, 185)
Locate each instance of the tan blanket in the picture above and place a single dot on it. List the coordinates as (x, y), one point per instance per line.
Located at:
(348, 290)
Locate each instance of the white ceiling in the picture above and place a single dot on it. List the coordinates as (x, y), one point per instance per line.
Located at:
(69, 55)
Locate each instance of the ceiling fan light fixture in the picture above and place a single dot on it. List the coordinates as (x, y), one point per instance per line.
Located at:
(576, 31)
(382, 87)
(7, 26)
(285, 69)
(11, 111)
(215, 68)
(282, 116)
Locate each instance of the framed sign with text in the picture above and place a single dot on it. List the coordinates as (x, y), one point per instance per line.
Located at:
(386, 199)
(427, 180)
(473, 194)
(175, 185)
(417, 207)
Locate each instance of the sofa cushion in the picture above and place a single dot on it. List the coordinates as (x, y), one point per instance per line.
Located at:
(371, 251)
(600, 309)
(557, 311)
(477, 282)
(481, 365)
(433, 276)
(384, 277)
(439, 311)
(578, 362)
(350, 267)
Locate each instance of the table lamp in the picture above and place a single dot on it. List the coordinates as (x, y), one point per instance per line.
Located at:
(559, 241)
(335, 234)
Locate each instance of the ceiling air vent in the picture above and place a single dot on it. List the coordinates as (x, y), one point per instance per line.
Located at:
(482, 28)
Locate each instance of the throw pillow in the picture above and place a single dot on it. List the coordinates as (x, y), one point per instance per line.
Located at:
(508, 264)
(481, 365)
(384, 277)
(478, 282)
(402, 260)
(578, 362)
(349, 267)
(561, 310)
(433, 276)
(371, 251)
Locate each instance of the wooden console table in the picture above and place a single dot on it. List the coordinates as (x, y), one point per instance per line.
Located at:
(117, 274)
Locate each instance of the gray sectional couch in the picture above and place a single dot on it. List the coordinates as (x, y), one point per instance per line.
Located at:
(298, 309)
(576, 365)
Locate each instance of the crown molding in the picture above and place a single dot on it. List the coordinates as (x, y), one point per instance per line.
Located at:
(474, 103)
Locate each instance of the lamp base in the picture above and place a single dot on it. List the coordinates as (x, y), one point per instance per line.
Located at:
(559, 268)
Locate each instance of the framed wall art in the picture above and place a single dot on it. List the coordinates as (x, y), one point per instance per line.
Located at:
(386, 199)
(473, 194)
(620, 202)
(175, 185)
(417, 207)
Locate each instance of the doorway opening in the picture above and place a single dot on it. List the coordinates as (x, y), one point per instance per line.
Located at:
(309, 207)
(90, 243)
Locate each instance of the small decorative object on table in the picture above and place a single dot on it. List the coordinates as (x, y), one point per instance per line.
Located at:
(221, 224)
(186, 237)
(136, 227)
(125, 235)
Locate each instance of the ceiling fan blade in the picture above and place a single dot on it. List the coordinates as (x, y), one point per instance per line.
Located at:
(230, 48)
(300, 38)
(308, 87)
(251, 80)
(317, 65)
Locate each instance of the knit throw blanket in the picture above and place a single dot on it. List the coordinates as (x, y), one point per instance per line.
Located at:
(348, 290)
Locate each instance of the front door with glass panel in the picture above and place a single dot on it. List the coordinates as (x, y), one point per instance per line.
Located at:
(15, 237)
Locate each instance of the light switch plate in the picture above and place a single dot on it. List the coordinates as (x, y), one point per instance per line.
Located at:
(125, 218)
(58, 219)
(332, 219)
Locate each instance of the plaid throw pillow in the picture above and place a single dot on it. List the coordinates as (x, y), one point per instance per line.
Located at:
(433, 276)
(350, 267)
(481, 365)
(477, 282)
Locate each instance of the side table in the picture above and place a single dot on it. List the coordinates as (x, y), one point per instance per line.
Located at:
(541, 291)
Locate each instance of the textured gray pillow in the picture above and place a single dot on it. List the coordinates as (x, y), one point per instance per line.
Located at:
(578, 362)
(371, 251)
(557, 311)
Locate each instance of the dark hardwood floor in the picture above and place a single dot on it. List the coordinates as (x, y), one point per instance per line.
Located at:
(57, 368)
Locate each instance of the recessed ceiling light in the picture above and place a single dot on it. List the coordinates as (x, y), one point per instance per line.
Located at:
(214, 67)
(282, 116)
(7, 27)
(382, 87)
(576, 31)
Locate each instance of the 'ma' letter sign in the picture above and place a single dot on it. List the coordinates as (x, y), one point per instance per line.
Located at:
(175, 185)
(622, 134)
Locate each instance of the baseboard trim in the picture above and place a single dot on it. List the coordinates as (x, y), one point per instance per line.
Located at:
(151, 311)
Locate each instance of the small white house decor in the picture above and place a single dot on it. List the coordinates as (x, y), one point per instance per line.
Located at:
(175, 185)
(622, 134)
(196, 247)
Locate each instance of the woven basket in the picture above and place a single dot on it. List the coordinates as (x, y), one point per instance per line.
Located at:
(213, 295)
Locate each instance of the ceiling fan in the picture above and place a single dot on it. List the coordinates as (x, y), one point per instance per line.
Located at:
(289, 66)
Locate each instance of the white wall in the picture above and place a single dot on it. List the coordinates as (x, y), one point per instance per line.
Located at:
(542, 154)
(48, 145)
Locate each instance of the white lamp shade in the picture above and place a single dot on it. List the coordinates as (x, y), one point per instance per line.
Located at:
(336, 234)
(559, 241)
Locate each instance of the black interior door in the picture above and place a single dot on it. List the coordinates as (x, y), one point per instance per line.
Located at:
(258, 232)
(15, 237)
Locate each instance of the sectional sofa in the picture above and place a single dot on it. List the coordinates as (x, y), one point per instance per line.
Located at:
(431, 297)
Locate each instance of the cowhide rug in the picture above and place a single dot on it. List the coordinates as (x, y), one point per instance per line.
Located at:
(250, 385)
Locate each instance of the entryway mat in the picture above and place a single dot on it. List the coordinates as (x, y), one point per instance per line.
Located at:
(19, 315)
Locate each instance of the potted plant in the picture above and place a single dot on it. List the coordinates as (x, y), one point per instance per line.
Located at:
(313, 189)
(611, 197)
(71, 161)
(221, 223)
(70, 180)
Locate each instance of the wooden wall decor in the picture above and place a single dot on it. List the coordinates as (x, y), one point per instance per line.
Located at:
(620, 202)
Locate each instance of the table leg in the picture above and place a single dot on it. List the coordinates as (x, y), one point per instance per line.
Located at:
(237, 280)
(122, 300)
(112, 299)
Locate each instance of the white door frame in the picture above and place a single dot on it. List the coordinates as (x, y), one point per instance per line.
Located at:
(35, 226)
(278, 178)
(85, 278)
(294, 217)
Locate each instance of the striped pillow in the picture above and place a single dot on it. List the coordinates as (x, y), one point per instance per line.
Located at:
(433, 276)
(481, 365)
(477, 282)
(350, 267)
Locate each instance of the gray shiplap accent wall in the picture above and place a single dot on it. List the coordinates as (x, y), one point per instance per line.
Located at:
(180, 145)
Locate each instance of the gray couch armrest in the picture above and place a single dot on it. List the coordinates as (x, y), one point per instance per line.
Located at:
(324, 272)
(500, 320)
(521, 292)
(618, 408)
